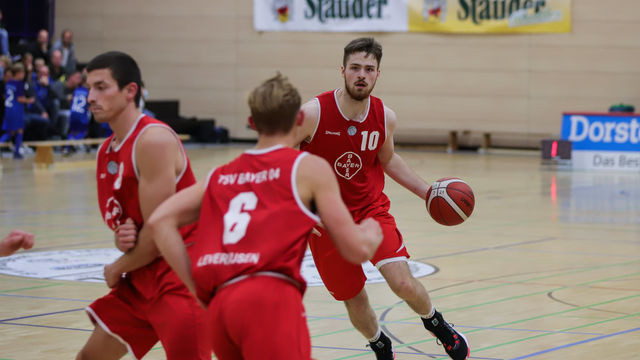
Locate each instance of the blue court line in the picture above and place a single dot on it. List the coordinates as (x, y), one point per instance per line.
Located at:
(43, 298)
(398, 352)
(38, 315)
(45, 326)
(467, 326)
(574, 344)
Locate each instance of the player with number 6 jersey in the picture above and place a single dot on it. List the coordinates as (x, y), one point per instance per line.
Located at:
(254, 216)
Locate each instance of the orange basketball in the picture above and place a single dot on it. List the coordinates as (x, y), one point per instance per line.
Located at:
(450, 201)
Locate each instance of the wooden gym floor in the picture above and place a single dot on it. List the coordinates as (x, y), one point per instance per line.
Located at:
(547, 267)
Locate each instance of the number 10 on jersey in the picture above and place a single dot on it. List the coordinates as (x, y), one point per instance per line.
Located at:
(369, 141)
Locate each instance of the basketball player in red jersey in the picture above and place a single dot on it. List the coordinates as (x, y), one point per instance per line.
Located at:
(255, 216)
(138, 167)
(353, 131)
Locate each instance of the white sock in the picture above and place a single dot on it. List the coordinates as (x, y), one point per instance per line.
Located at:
(430, 314)
(376, 336)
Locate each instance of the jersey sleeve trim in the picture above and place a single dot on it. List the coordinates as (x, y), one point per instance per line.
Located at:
(208, 178)
(133, 128)
(184, 153)
(317, 120)
(294, 189)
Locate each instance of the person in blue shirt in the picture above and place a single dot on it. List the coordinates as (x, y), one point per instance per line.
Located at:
(79, 112)
(14, 100)
(79, 116)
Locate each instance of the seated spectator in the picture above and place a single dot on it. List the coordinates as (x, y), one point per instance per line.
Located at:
(48, 98)
(14, 117)
(37, 64)
(4, 39)
(5, 63)
(29, 69)
(64, 92)
(65, 45)
(41, 48)
(58, 72)
(36, 118)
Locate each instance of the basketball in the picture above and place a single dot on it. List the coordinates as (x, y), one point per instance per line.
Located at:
(450, 201)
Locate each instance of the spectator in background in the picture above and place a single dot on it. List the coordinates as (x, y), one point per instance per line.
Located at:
(47, 97)
(29, 68)
(65, 45)
(37, 64)
(64, 92)
(79, 115)
(41, 48)
(5, 64)
(36, 118)
(13, 124)
(58, 72)
(4, 39)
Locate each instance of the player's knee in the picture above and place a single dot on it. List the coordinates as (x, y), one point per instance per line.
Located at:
(405, 288)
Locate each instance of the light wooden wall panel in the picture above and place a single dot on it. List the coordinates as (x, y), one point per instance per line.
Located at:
(207, 54)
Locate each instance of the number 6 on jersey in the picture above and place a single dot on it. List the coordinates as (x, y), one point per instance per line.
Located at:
(237, 217)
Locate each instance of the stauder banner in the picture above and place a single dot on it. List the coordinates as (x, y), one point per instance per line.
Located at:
(450, 16)
(490, 16)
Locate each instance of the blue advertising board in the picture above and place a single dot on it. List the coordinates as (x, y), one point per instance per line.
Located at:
(603, 140)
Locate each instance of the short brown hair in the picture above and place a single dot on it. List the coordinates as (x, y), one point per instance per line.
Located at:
(367, 45)
(17, 68)
(274, 105)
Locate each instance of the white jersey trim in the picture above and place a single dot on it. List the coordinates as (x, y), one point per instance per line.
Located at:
(184, 154)
(317, 120)
(133, 128)
(390, 260)
(263, 151)
(108, 331)
(294, 189)
(366, 115)
(208, 179)
(384, 112)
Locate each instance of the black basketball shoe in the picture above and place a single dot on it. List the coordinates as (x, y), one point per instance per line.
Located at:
(454, 343)
(383, 348)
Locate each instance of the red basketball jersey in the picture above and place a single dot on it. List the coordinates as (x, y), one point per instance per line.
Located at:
(351, 148)
(252, 220)
(117, 178)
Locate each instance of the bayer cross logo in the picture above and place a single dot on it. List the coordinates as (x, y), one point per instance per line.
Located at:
(348, 165)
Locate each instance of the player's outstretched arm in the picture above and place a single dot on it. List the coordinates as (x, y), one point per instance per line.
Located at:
(163, 226)
(395, 166)
(355, 242)
(14, 241)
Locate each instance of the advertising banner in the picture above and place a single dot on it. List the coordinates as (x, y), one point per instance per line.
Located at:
(603, 141)
(330, 15)
(490, 16)
(449, 16)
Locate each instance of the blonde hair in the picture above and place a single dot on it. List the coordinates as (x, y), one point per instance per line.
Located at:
(274, 105)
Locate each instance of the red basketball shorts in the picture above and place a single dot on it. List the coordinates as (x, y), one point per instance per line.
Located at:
(343, 279)
(261, 317)
(171, 315)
